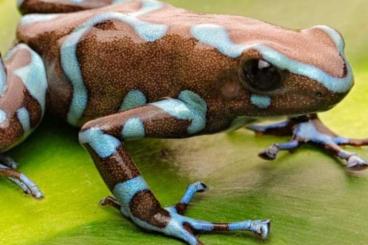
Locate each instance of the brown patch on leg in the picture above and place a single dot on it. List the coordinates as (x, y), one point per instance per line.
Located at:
(145, 207)
(115, 169)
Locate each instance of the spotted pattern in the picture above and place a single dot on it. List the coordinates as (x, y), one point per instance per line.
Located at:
(218, 37)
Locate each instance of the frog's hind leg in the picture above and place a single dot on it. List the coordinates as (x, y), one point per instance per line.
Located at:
(21, 180)
(61, 6)
(23, 88)
(104, 138)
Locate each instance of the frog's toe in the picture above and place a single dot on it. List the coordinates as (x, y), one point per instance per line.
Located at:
(32, 188)
(28, 186)
(180, 223)
(110, 201)
(192, 189)
(262, 228)
(269, 153)
(356, 163)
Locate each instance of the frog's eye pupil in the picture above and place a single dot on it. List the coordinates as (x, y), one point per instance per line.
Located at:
(261, 75)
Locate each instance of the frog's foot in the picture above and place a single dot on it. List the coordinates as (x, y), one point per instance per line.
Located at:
(8, 169)
(186, 228)
(310, 129)
(110, 201)
(190, 226)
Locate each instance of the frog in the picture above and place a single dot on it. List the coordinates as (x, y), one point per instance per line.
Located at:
(124, 70)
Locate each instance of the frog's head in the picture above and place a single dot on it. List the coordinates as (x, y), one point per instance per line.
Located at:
(296, 72)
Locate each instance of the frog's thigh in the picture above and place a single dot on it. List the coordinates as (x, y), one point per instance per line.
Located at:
(60, 6)
(23, 89)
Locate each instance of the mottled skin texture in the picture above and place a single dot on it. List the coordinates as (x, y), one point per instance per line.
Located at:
(125, 70)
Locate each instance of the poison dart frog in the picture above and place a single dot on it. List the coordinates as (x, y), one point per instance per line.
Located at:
(125, 70)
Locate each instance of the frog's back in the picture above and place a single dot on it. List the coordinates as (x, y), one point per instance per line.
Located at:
(102, 60)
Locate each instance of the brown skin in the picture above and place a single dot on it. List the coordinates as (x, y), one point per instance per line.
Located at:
(177, 62)
(114, 60)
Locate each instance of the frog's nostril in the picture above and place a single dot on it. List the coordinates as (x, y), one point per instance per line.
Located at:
(319, 94)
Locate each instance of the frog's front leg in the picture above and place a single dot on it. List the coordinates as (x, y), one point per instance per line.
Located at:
(23, 88)
(169, 118)
(310, 129)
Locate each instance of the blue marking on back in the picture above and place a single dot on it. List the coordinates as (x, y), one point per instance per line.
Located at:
(33, 76)
(133, 99)
(103, 144)
(125, 192)
(133, 129)
(30, 19)
(3, 78)
(335, 37)
(24, 119)
(120, 1)
(262, 102)
(148, 6)
(217, 37)
(3, 116)
(69, 60)
(189, 106)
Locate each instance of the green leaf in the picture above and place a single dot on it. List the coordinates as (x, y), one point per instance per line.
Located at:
(308, 195)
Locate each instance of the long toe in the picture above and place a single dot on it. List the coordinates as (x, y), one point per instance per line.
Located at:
(262, 228)
(355, 163)
(270, 153)
(33, 189)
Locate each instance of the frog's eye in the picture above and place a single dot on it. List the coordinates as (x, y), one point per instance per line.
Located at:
(261, 76)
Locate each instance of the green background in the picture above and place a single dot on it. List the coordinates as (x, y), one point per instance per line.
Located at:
(309, 196)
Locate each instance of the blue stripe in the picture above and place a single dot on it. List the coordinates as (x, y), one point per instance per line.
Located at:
(69, 60)
(240, 226)
(3, 116)
(190, 107)
(218, 37)
(125, 191)
(3, 84)
(103, 144)
(33, 76)
(24, 119)
(334, 35)
(133, 99)
(133, 129)
(148, 6)
(30, 19)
